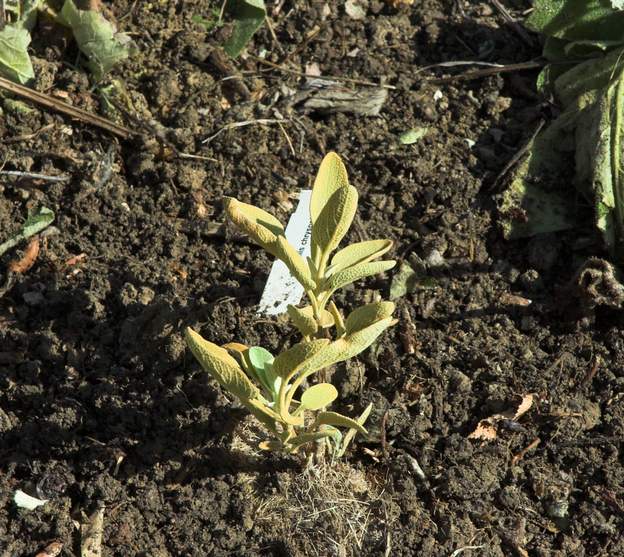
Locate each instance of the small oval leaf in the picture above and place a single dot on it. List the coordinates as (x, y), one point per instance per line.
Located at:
(332, 176)
(351, 274)
(262, 227)
(318, 396)
(366, 315)
(360, 252)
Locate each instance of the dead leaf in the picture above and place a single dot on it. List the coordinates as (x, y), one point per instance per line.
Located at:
(524, 406)
(484, 430)
(75, 259)
(398, 3)
(51, 550)
(22, 265)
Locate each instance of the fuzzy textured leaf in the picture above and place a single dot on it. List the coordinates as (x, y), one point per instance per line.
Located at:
(14, 59)
(295, 263)
(334, 221)
(262, 227)
(342, 278)
(361, 420)
(318, 396)
(366, 315)
(303, 318)
(577, 20)
(335, 419)
(290, 360)
(331, 177)
(97, 38)
(343, 348)
(360, 252)
(304, 438)
(223, 367)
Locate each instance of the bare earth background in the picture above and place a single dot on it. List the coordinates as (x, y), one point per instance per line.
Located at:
(93, 368)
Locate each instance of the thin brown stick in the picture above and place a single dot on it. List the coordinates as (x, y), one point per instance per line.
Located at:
(487, 72)
(518, 156)
(519, 456)
(72, 111)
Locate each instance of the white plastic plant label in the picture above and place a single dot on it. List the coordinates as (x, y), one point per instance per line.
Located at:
(281, 288)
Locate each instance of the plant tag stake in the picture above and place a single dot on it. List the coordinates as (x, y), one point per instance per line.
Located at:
(282, 288)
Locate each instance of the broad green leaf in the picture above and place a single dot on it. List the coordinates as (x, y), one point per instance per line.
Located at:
(351, 274)
(260, 358)
(248, 17)
(577, 84)
(577, 20)
(360, 252)
(352, 431)
(335, 419)
(333, 221)
(318, 396)
(34, 224)
(14, 59)
(223, 367)
(331, 177)
(304, 438)
(295, 262)
(599, 171)
(287, 363)
(366, 315)
(262, 227)
(262, 362)
(97, 38)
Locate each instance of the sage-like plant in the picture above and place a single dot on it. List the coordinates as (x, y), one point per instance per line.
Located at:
(269, 386)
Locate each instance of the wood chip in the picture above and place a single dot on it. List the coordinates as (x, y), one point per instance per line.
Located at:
(23, 265)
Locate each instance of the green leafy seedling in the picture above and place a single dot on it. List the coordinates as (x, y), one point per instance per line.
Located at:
(277, 390)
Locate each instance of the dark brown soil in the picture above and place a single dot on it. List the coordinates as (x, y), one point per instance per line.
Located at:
(101, 403)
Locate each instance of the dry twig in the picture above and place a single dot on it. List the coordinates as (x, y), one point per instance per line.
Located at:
(64, 108)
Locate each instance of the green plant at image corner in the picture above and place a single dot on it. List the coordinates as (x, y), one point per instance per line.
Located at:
(269, 387)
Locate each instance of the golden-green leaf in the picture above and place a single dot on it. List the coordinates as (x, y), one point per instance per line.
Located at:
(351, 274)
(296, 264)
(332, 176)
(262, 227)
(361, 420)
(334, 221)
(303, 318)
(345, 347)
(335, 419)
(304, 438)
(290, 360)
(366, 315)
(318, 396)
(360, 252)
(223, 367)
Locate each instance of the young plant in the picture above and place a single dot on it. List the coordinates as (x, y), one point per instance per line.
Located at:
(268, 386)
